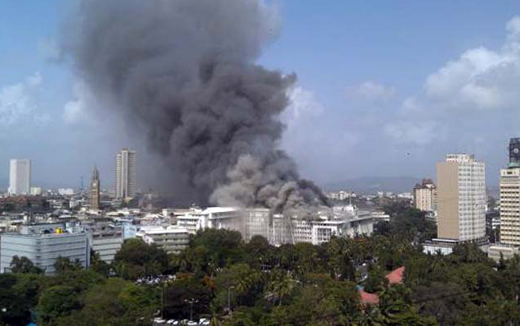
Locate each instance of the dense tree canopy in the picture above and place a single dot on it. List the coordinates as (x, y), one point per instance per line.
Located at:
(137, 259)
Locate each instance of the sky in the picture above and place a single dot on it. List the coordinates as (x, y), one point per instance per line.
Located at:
(385, 88)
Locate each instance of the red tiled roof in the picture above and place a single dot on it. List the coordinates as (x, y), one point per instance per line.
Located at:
(396, 276)
(368, 298)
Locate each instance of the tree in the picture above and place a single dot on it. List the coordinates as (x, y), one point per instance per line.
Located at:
(510, 276)
(281, 284)
(395, 309)
(239, 283)
(56, 302)
(64, 264)
(469, 253)
(138, 259)
(320, 301)
(443, 301)
(24, 265)
(259, 253)
(407, 222)
(15, 305)
(98, 265)
(376, 280)
(115, 302)
(179, 293)
(225, 246)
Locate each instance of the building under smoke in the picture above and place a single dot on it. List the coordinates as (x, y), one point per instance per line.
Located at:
(183, 74)
(277, 228)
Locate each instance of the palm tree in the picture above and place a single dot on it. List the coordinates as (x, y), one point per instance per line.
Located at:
(282, 283)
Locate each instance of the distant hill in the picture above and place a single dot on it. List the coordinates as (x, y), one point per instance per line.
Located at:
(374, 184)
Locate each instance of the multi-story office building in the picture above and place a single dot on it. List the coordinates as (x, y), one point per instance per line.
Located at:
(43, 244)
(95, 190)
(461, 198)
(510, 197)
(125, 175)
(172, 239)
(20, 177)
(425, 196)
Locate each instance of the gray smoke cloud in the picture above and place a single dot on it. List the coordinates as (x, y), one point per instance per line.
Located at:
(183, 73)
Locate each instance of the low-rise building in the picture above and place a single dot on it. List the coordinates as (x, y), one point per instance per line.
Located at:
(213, 218)
(43, 244)
(507, 251)
(105, 239)
(380, 216)
(319, 230)
(172, 238)
(445, 246)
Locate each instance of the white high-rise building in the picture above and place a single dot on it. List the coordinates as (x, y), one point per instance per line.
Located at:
(461, 198)
(20, 177)
(125, 174)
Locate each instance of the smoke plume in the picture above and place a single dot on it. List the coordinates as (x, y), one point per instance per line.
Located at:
(184, 72)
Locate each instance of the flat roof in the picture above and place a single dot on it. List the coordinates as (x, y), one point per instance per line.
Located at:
(213, 210)
(161, 230)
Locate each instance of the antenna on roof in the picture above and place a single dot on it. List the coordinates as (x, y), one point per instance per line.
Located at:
(81, 188)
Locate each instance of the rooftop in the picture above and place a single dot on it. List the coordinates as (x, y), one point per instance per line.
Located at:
(396, 276)
(162, 230)
(213, 210)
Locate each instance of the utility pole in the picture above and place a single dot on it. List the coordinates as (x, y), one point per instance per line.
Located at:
(229, 298)
(162, 300)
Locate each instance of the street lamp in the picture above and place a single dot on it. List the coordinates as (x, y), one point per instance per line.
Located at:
(191, 302)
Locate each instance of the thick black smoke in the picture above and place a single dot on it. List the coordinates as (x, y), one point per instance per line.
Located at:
(184, 71)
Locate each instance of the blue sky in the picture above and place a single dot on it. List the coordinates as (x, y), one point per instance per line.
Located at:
(385, 88)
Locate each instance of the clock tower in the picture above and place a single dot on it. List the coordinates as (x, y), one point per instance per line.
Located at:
(514, 153)
(95, 190)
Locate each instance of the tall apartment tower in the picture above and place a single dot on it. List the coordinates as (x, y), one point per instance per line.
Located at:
(510, 196)
(95, 190)
(20, 177)
(125, 174)
(425, 196)
(461, 198)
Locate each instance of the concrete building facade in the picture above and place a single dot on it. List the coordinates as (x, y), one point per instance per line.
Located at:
(461, 198)
(43, 245)
(257, 222)
(172, 239)
(510, 197)
(105, 240)
(425, 196)
(20, 177)
(510, 206)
